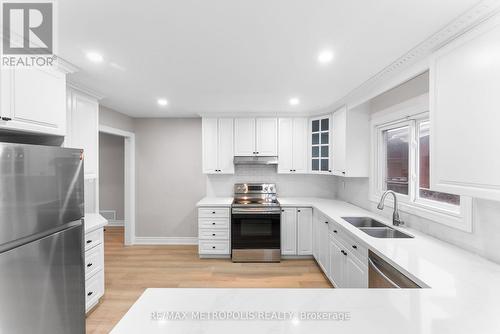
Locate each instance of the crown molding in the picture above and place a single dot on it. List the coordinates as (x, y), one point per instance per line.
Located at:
(83, 89)
(66, 66)
(415, 61)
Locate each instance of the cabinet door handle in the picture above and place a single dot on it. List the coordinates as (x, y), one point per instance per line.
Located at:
(334, 231)
(213, 247)
(213, 223)
(6, 118)
(343, 252)
(343, 173)
(89, 265)
(213, 234)
(89, 241)
(326, 222)
(354, 246)
(298, 210)
(90, 293)
(213, 212)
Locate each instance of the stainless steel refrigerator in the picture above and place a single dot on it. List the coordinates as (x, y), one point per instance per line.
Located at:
(41, 240)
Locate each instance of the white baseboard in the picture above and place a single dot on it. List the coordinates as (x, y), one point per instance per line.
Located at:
(166, 241)
(116, 223)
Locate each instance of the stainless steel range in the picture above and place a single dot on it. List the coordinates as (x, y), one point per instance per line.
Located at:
(255, 223)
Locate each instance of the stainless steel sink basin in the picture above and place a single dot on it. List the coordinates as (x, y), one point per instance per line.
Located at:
(363, 222)
(385, 232)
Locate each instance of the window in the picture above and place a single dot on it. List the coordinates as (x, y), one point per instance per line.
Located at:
(320, 144)
(402, 164)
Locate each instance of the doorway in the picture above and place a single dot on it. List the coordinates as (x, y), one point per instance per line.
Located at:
(117, 179)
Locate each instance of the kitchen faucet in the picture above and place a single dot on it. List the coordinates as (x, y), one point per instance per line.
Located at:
(395, 215)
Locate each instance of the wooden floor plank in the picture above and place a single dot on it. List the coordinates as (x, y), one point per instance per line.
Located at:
(130, 270)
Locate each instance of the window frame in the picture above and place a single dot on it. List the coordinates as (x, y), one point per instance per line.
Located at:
(412, 113)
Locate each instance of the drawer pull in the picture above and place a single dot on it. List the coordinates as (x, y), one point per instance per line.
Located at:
(334, 231)
(89, 265)
(213, 247)
(89, 241)
(343, 252)
(213, 212)
(326, 222)
(354, 246)
(213, 223)
(90, 293)
(213, 234)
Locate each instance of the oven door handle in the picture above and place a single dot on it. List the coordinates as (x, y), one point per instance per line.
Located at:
(257, 212)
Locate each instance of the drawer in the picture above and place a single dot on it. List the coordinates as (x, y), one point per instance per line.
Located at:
(355, 247)
(94, 289)
(93, 238)
(213, 223)
(213, 234)
(213, 247)
(94, 260)
(213, 212)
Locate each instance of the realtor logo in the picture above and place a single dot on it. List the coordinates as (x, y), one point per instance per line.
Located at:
(28, 31)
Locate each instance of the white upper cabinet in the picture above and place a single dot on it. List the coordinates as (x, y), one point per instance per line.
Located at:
(83, 129)
(320, 145)
(292, 142)
(266, 136)
(256, 136)
(218, 146)
(465, 115)
(33, 100)
(244, 141)
(350, 151)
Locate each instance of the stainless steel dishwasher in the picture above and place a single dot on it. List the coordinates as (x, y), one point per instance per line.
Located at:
(382, 275)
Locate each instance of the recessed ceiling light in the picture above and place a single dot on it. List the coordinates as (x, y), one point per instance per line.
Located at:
(294, 101)
(162, 102)
(325, 56)
(95, 57)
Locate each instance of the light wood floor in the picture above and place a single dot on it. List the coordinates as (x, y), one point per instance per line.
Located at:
(130, 270)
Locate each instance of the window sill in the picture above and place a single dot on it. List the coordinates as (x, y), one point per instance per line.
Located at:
(461, 220)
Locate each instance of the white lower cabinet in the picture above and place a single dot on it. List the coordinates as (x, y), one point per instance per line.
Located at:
(343, 259)
(94, 267)
(296, 231)
(214, 232)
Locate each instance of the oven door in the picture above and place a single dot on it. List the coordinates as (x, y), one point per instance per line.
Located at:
(255, 237)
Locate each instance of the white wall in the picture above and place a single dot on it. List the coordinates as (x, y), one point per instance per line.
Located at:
(169, 179)
(287, 185)
(112, 174)
(485, 238)
(115, 119)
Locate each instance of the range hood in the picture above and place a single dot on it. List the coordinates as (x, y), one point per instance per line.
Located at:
(244, 160)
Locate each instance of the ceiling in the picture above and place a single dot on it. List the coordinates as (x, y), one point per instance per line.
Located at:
(239, 56)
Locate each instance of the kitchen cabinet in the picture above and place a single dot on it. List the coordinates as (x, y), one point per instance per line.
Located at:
(304, 231)
(316, 234)
(218, 145)
(83, 129)
(464, 114)
(94, 267)
(348, 260)
(320, 145)
(289, 231)
(214, 232)
(256, 136)
(323, 247)
(350, 151)
(33, 100)
(296, 231)
(292, 145)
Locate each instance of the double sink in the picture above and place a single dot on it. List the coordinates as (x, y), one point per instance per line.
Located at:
(375, 228)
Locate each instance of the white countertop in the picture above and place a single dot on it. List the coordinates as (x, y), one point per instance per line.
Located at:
(215, 202)
(93, 221)
(464, 293)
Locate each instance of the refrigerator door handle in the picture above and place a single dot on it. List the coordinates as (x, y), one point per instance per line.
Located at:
(23, 241)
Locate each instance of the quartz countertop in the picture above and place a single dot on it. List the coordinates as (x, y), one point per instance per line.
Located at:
(93, 221)
(463, 294)
(215, 202)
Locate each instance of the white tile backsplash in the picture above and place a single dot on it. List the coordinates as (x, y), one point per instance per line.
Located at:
(296, 185)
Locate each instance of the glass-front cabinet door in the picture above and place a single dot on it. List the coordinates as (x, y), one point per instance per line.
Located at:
(320, 144)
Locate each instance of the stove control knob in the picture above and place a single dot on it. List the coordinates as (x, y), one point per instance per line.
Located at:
(265, 188)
